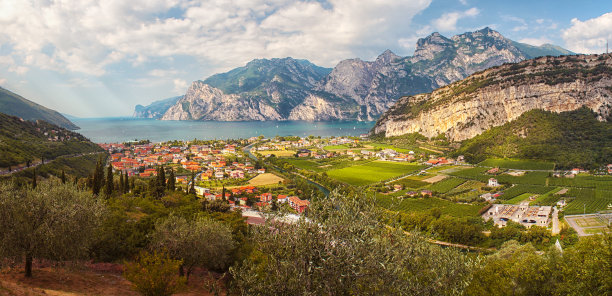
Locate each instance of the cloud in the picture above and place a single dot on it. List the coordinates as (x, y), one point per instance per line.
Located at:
(2, 81)
(464, 2)
(589, 36)
(180, 86)
(448, 21)
(89, 36)
(536, 41)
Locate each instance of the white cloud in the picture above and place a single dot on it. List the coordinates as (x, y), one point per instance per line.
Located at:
(536, 41)
(180, 86)
(589, 36)
(87, 36)
(464, 2)
(2, 81)
(448, 21)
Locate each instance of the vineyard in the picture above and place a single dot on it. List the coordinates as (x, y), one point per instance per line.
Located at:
(423, 204)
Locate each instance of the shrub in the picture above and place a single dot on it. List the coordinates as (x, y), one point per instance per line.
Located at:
(155, 274)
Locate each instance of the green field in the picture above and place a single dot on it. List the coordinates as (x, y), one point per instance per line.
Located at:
(587, 200)
(372, 172)
(446, 185)
(411, 183)
(423, 204)
(518, 199)
(518, 164)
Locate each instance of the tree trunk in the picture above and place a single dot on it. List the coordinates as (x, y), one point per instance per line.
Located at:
(28, 266)
(181, 270)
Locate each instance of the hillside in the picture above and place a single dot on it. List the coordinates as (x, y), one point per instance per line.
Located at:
(574, 138)
(22, 141)
(16, 105)
(291, 89)
(501, 94)
(156, 109)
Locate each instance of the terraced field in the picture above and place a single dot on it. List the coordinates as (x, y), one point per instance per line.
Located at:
(372, 172)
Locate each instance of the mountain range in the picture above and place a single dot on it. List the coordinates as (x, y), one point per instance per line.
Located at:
(501, 94)
(16, 105)
(292, 89)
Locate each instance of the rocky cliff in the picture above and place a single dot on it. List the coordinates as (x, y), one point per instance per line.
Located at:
(156, 109)
(290, 89)
(501, 94)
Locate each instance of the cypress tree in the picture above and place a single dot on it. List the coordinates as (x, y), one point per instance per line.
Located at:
(34, 179)
(63, 177)
(171, 185)
(121, 185)
(192, 187)
(223, 193)
(161, 177)
(127, 183)
(108, 190)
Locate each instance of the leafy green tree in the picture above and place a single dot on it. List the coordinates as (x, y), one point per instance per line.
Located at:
(202, 242)
(121, 184)
(586, 268)
(192, 186)
(345, 249)
(516, 270)
(63, 177)
(52, 221)
(155, 274)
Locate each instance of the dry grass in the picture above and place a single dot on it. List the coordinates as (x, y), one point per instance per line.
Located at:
(68, 282)
(435, 179)
(265, 179)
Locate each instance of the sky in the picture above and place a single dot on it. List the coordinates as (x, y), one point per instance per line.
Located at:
(99, 58)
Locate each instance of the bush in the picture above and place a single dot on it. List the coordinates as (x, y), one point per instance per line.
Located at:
(155, 274)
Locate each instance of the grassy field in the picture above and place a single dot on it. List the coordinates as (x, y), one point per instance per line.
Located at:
(278, 153)
(518, 164)
(265, 179)
(587, 200)
(423, 204)
(336, 147)
(518, 199)
(372, 172)
(323, 165)
(446, 185)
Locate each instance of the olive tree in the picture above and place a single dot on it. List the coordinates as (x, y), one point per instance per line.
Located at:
(202, 242)
(344, 248)
(52, 221)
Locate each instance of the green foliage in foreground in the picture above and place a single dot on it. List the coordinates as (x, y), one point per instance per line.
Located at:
(346, 250)
(52, 221)
(585, 269)
(155, 274)
(569, 139)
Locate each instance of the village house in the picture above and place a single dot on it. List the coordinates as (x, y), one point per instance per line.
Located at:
(492, 182)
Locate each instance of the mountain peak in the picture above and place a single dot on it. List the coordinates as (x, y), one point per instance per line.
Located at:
(387, 56)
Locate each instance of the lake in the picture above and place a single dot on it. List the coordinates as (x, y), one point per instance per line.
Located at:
(113, 130)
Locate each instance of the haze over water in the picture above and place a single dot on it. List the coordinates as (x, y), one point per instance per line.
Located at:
(108, 130)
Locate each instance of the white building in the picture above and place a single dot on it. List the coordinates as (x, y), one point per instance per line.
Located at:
(493, 182)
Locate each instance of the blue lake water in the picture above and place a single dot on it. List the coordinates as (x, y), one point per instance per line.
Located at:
(110, 130)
